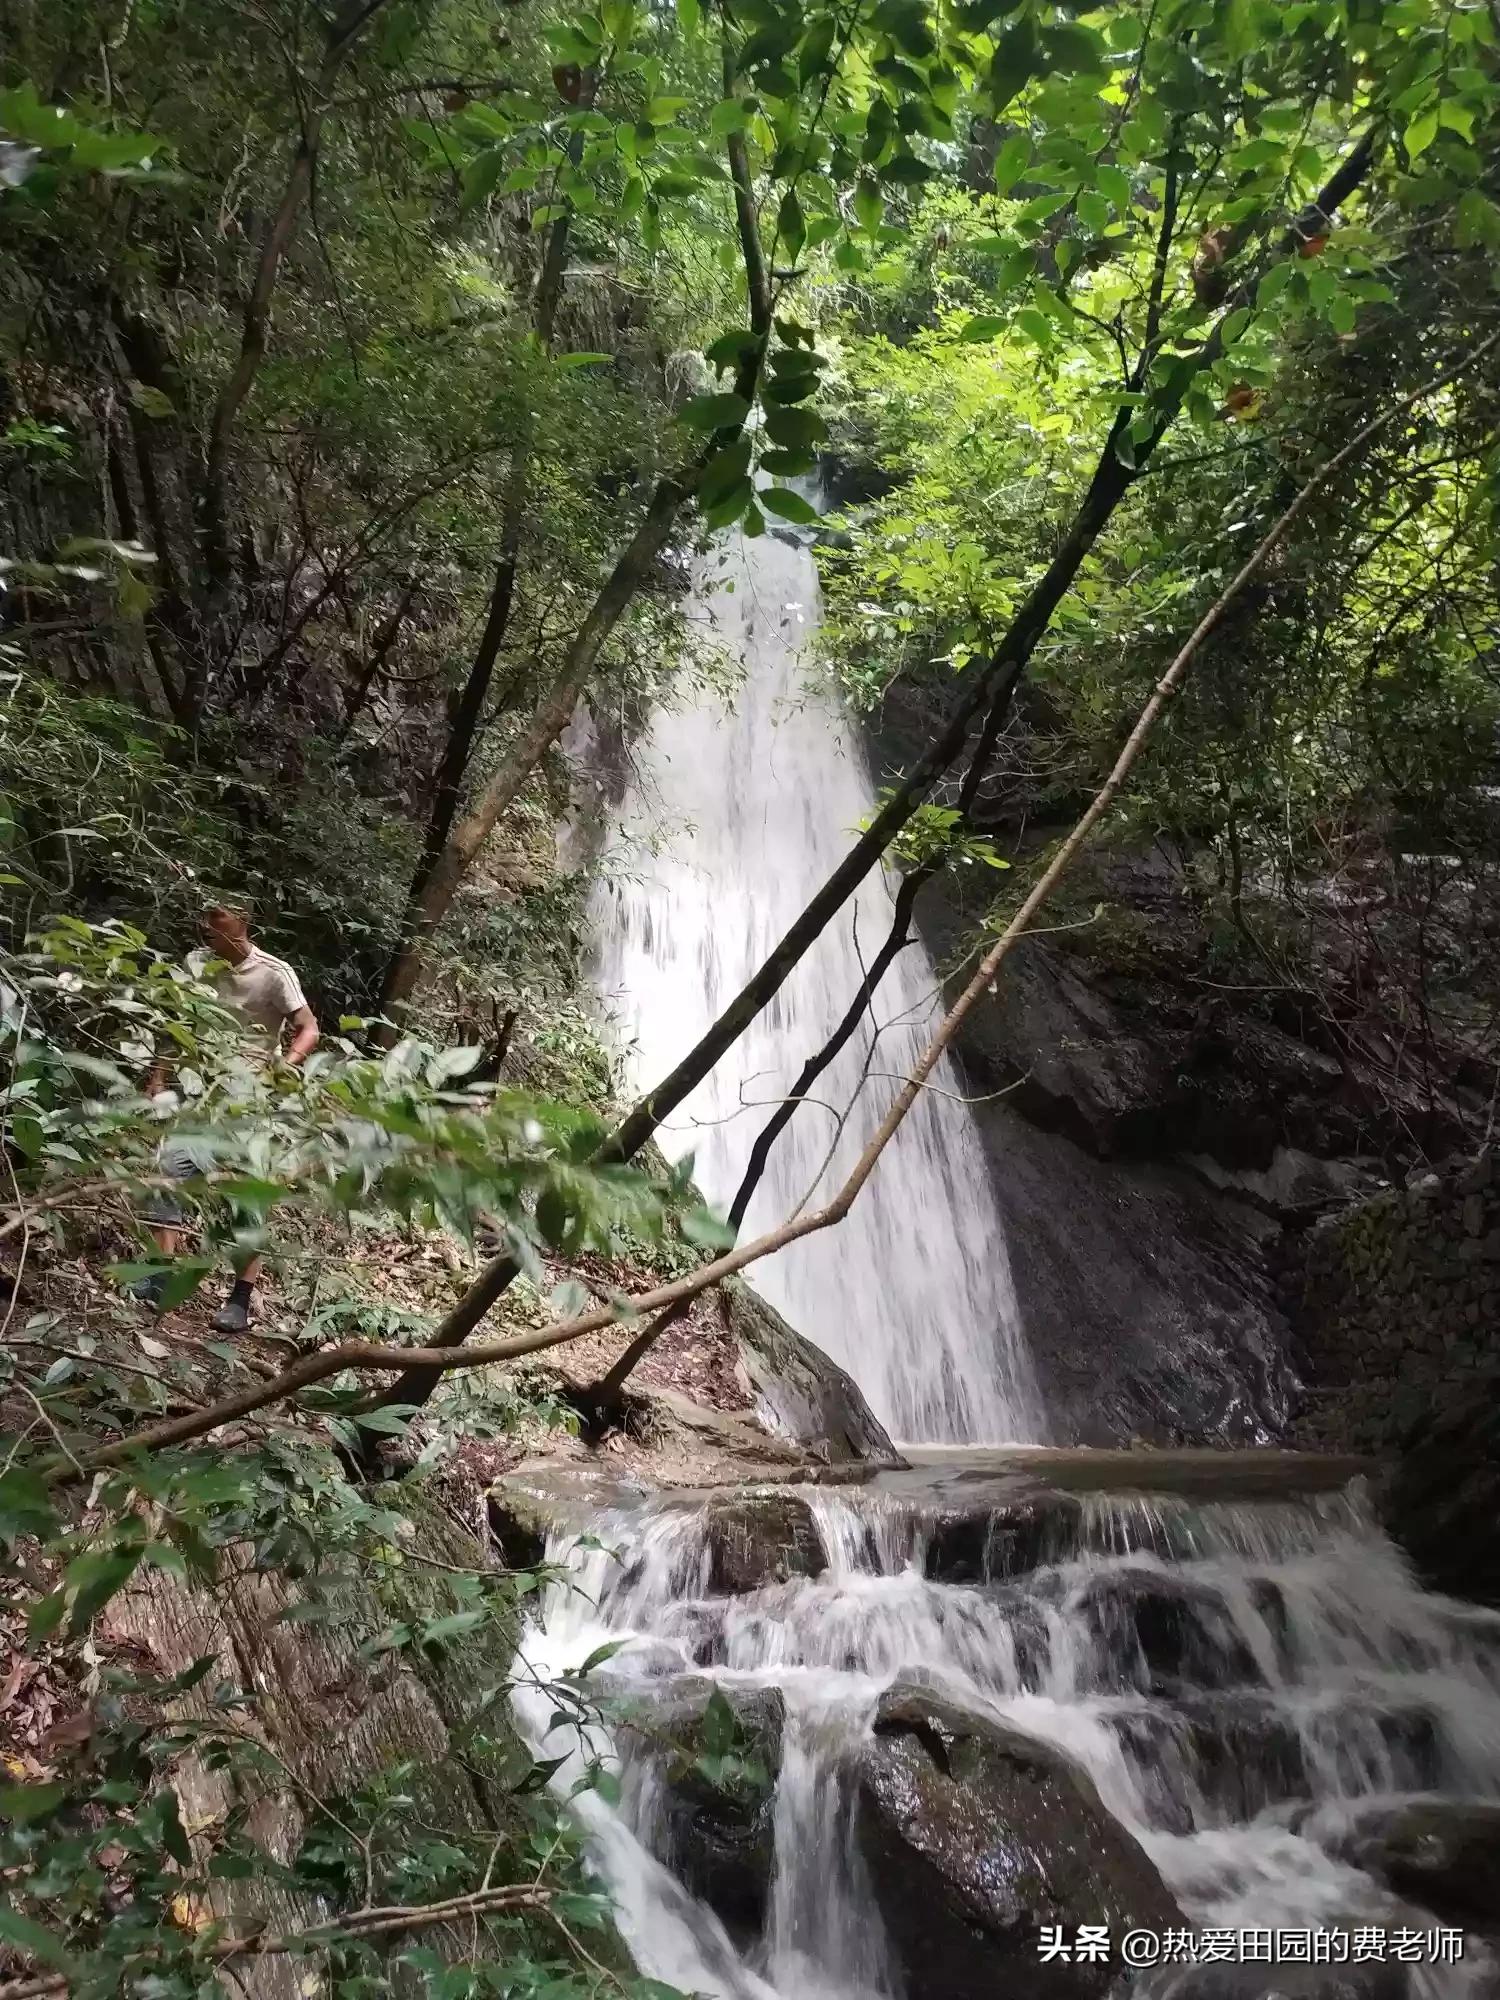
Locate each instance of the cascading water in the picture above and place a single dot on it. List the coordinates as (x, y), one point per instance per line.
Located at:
(737, 813)
(1241, 1681)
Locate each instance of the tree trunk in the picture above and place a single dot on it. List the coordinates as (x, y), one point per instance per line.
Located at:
(214, 504)
(468, 710)
(440, 874)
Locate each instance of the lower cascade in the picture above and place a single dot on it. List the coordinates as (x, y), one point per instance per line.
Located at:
(963, 1731)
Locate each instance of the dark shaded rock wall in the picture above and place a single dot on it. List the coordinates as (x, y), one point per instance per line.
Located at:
(1143, 1170)
(1395, 1306)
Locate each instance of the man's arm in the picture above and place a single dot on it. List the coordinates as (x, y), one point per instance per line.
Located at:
(304, 1032)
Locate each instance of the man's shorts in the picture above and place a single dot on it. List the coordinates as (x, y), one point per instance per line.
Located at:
(178, 1161)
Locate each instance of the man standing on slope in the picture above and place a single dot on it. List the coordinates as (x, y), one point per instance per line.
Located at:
(267, 996)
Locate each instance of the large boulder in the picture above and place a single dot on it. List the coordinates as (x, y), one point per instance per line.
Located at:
(1160, 1632)
(985, 1543)
(714, 1752)
(1442, 1501)
(976, 1836)
(758, 1538)
(799, 1392)
(1441, 1853)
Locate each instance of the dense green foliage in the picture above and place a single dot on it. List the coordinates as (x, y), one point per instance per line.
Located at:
(367, 374)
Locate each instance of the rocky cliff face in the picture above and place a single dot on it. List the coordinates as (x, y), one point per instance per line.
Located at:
(1150, 1139)
(1395, 1309)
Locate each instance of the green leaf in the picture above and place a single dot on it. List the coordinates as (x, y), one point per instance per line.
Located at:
(1017, 59)
(869, 205)
(1114, 184)
(1476, 221)
(1420, 133)
(714, 413)
(600, 1654)
(788, 464)
(1012, 161)
(726, 470)
(46, 1614)
(733, 114)
(985, 327)
(767, 45)
(173, 1835)
(791, 226)
(182, 1277)
(797, 429)
(905, 21)
(390, 1422)
(93, 1578)
(1234, 325)
(607, 1786)
(452, 1627)
(37, 1942)
(581, 360)
(790, 506)
(905, 169)
(1073, 49)
(257, 1195)
(1018, 266)
(731, 348)
(481, 177)
(730, 508)
(23, 1805)
(708, 1231)
(1093, 211)
(25, 1507)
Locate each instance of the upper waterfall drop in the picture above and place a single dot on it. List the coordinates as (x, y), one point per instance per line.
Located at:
(737, 811)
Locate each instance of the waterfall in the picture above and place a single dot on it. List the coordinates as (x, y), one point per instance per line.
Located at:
(1240, 1680)
(738, 810)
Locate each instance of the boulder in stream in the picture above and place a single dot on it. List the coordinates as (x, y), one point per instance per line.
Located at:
(1442, 1500)
(975, 1836)
(714, 1752)
(1161, 1632)
(1441, 1853)
(760, 1537)
(993, 1544)
(800, 1393)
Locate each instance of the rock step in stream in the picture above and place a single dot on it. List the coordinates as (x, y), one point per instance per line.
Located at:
(876, 1739)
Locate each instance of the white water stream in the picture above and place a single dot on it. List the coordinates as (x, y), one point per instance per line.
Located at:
(1314, 1681)
(737, 813)
(1239, 1680)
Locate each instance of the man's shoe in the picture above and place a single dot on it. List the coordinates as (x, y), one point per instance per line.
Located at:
(233, 1316)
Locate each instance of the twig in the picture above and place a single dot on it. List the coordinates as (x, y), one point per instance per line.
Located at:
(363, 1924)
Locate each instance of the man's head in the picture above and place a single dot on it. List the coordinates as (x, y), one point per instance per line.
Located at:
(226, 932)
